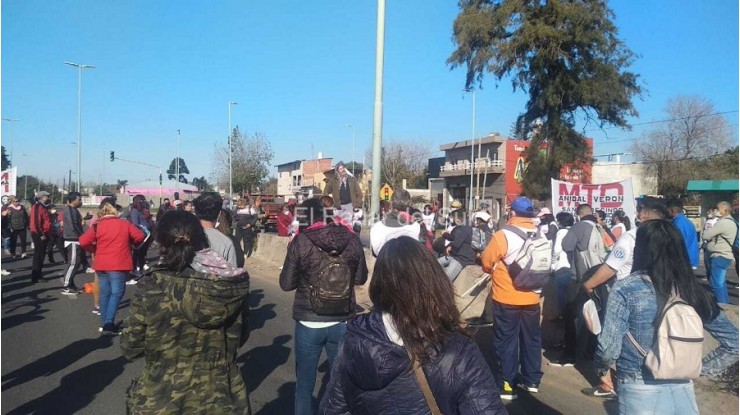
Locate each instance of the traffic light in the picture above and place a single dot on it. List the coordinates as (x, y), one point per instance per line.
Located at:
(112, 156)
(160, 178)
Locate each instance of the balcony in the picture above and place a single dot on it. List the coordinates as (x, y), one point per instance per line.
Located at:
(463, 167)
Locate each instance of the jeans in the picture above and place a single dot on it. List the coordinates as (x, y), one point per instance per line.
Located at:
(450, 266)
(637, 398)
(563, 278)
(517, 340)
(112, 287)
(308, 345)
(717, 272)
(726, 354)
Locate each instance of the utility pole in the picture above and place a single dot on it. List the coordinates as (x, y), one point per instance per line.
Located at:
(378, 112)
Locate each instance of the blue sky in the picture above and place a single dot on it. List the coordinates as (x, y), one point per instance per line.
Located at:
(301, 71)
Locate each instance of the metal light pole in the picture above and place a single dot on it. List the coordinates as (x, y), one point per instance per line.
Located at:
(11, 121)
(231, 173)
(79, 67)
(177, 163)
(472, 157)
(354, 162)
(378, 112)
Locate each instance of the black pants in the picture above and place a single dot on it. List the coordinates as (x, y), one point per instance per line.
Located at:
(245, 236)
(238, 251)
(14, 235)
(139, 255)
(75, 254)
(56, 242)
(40, 242)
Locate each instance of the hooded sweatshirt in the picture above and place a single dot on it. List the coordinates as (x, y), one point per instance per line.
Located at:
(303, 264)
(189, 327)
(371, 375)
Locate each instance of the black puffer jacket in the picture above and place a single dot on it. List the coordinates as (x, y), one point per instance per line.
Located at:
(303, 264)
(371, 375)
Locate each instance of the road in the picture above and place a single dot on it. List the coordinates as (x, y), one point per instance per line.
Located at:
(55, 362)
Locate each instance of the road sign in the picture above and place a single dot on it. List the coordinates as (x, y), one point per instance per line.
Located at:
(386, 192)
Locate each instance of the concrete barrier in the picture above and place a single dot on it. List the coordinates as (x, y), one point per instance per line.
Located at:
(271, 247)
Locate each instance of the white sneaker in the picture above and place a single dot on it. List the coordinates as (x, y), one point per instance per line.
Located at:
(146, 267)
(4, 272)
(23, 255)
(131, 282)
(90, 270)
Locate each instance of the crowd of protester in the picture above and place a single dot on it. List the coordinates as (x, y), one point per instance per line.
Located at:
(412, 352)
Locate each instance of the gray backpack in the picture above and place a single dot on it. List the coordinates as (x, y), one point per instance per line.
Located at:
(677, 347)
(531, 267)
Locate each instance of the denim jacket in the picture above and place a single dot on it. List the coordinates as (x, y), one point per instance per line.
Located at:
(632, 306)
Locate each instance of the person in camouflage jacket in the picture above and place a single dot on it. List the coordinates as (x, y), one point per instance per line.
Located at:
(188, 318)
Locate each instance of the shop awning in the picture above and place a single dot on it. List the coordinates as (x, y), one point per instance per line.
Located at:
(712, 186)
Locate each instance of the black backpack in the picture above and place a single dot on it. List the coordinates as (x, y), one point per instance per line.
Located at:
(331, 292)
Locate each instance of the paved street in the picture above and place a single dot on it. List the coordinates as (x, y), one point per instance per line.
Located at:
(55, 362)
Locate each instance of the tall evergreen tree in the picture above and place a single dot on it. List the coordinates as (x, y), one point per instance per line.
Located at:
(172, 170)
(566, 55)
(6, 163)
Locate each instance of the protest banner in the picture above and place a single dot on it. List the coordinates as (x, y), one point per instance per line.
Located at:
(609, 197)
(8, 180)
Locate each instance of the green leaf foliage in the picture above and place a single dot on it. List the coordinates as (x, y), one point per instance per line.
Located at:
(565, 54)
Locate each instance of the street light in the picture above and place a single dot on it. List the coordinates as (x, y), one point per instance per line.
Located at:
(11, 121)
(472, 156)
(354, 163)
(79, 67)
(231, 190)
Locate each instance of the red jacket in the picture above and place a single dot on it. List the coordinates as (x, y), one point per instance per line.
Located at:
(285, 218)
(40, 219)
(110, 240)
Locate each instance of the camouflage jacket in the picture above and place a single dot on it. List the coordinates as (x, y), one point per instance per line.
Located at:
(189, 328)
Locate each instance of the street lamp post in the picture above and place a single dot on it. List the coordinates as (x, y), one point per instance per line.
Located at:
(354, 162)
(11, 121)
(231, 190)
(79, 67)
(472, 157)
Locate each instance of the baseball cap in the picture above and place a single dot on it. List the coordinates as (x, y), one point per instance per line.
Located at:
(42, 194)
(456, 204)
(523, 206)
(482, 216)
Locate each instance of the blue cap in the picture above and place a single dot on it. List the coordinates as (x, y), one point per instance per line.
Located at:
(524, 206)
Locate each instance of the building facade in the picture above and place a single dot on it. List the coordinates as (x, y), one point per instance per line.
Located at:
(302, 177)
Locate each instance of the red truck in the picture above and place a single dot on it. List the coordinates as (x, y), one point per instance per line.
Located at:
(271, 206)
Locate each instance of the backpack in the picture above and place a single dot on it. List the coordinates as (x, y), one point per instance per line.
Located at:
(677, 348)
(331, 292)
(480, 240)
(531, 267)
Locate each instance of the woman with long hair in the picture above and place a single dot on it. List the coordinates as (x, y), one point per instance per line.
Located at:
(188, 319)
(661, 268)
(620, 223)
(110, 239)
(414, 321)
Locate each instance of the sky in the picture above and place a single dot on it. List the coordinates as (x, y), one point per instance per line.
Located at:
(301, 71)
